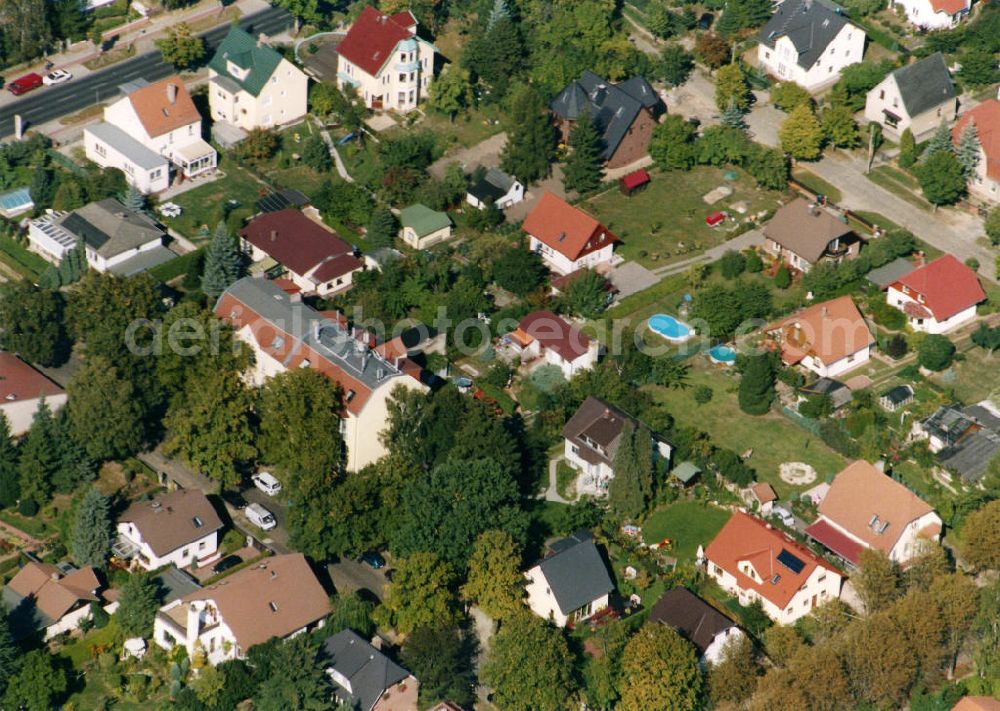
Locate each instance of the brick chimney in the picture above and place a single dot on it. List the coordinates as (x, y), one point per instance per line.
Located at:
(172, 93)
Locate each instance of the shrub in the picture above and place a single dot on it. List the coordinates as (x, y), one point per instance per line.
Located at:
(754, 263)
(972, 263)
(816, 407)
(896, 347)
(935, 352)
(837, 438)
(732, 264)
(702, 394)
(783, 277)
(27, 507)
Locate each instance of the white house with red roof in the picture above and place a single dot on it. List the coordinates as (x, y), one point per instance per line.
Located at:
(315, 258)
(151, 128)
(752, 560)
(543, 335)
(22, 389)
(284, 333)
(566, 237)
(386, 61)
(933, 14)
(829, 338)
(985, 184)
(938, 296)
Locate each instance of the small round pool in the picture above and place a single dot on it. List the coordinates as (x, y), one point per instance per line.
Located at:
(722, 354)
(670, 328)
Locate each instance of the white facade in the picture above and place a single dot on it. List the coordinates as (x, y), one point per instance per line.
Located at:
(832, 370)
(782, 61)
(921, 13)
(196, 626)
(910, 542)
(203, 550)
(543, 603)
(982, 185)
(400, 84)
(150, 176)
(410, 236)
(282, 100)
(598, 475)
(53, 242)
(930, 324)
(20, 413)
(821, 586)
(511, 197)
(885, 102)
(561, 264)
(714, 653)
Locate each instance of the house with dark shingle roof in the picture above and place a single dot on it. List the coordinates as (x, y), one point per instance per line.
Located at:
(571, 583)
(698, 622)
(918, 97)
(252, 86)
(933, 14)
(495, 188)
(802, 233)
(809, 42)
(965, 439)
(624, 113)
(544, 335)
(365, 679)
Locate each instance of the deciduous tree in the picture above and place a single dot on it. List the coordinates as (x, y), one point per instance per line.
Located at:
(787, 95)
(104, 413)
(734, 678)
(37, 685)
(181, 47)
(801, 134)
(731, 86)
(439, 656)
(494, 578)
(673, 143)
(840, 127)
(420, 594)
(676, 64)
(877, 581)
(450, 94)
(981, 537)
(31, 323)
(660, 672)
(941, 178)
(586, 295)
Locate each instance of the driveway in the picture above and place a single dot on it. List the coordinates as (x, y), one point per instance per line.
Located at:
(350, 575)
(695, 98)
(631, 278)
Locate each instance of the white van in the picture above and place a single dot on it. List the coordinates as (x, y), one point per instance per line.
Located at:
(260, 517)
(266, 482)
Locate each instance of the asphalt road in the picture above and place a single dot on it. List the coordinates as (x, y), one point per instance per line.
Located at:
(52, 102)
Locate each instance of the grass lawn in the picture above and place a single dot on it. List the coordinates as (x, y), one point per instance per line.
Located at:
(976, 378)
(565, 477)
(203, 206)
(900, 184)
(666, 221)
(688, 524)
(468, 129)
(817, 184)
(21, 259)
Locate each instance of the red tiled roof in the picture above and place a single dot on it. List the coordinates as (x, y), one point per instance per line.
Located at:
(555, 334)
(373, 37)
(164, 106)
(19, 381)
(841, 544)
(947, 285)
(986, 117)
(337, 267)
(951, 7)
(635, 179)
(300, 244)
(566, 229)
(828, 331)
(915, 310)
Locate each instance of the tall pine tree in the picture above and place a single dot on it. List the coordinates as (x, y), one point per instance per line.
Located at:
(10, 653)
(968, 150)
(940, 141)
(632, 482)
(382, 228)
(223, 263)
(583, 165)
(38, 457)
(757, 385)
(92, 530)
(531, 140)
(134, 200)
(10, 490)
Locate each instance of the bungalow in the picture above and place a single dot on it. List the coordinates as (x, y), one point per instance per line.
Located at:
(571, 584)
(495, 188)
(52, 599)
(115, 238)
(918, 97)
(422, 227)
(985, 117)
(566, 237)
(933, 14)
(591, 442)
(939, 296)
(278, 597)
(965, 439)
(181, 527)
(696, 621)
(22, 390)
(895, 398)
(386, 61)
(364, 678)
(542, 334)
(829, 338)
(283, 333)
(809, 42)
(313, 257)
(752, 560)
(865, 508)
(763, 495)
(625, 114)
(801, 234)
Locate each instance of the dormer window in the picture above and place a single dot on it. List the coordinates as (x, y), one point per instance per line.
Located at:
(273, 605)
(237, 71)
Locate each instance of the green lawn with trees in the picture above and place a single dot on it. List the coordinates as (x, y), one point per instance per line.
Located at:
(688, 524)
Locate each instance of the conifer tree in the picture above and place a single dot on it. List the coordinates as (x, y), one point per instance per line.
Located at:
(531, 139)
(940, 141)
(134, 200)
(10, 653)
(9, 488)
(383, 227)
(907, 149)
(92, 530)
(583, 165)
(633, 480)
(732, 116)
(223, 263)
(38, 459)
(757, 385)
(968, 150)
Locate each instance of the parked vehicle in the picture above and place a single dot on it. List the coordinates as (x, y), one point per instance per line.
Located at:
(59, 76)
(374, 559)
(260, 517)
(266, 482)
(230, 561)
(25, 84)
(783, 515)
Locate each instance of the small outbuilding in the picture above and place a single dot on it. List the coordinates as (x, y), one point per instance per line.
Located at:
(895, 398)
(685, 472)
(634, 181)
(422, 227)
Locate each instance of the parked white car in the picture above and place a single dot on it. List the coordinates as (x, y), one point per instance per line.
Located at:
(783, 515)
(59, 76)
(266, 482)
(260, 517)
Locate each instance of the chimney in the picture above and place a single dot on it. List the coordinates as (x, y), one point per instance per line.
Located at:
(172, 93)
(825, 312)
(54, 576)
(274, 235)
(377, 643)
(194, 621)
(261, 39)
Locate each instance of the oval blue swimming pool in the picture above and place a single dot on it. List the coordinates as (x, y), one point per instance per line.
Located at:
(722, 354)
(670, 328)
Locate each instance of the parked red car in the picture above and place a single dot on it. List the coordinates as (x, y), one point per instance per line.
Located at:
(25, 84)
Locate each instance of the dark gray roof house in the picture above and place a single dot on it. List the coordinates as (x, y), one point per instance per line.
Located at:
(838, 393)
(575, 572)
(693, 618)
(970, 435)
(361, 673)
(492, 186)
(890, 273)
(595, 429)
(810, 24)
(924, 85)
(896, 397)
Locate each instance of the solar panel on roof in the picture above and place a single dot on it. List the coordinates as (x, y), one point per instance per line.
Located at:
(791, 561)
(273, 202)
(82, 228)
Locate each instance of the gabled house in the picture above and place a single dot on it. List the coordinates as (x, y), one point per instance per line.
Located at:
(252, 86)
(625, 114)
(542, 334)
(591, 438)
(896, 397)
(918, 97)
(571, 584)
(49, 599)
(422, 227)
(22, 389)
(828, 339)
(696, 621)
(809, 42)
(566, 237)
(180, 527)
(752, 560)
(495, 188)
(386, 61)
(939, 296)
(933, 14)
(838, 393)
(965, 439)
(278, 597)
(365, 679)
(313, 257)
(865, 508)
(763, 495)
(801, 234)
(284, 333)
(985, 117)
(155, 126)
(115, 238)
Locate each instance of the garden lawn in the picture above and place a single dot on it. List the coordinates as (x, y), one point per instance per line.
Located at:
(976, 378)
(817, 185)
(688, 524)
(773, 437)
(203, 206)
(900, 184)
(665, 222)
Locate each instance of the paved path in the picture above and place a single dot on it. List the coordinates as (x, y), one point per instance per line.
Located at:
(552, 493)
(752, 238)
(337, 160)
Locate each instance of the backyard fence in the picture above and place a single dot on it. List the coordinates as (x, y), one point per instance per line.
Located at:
(802, 421)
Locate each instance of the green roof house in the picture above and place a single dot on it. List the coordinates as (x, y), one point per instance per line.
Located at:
(253, 86)
(423, 227)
